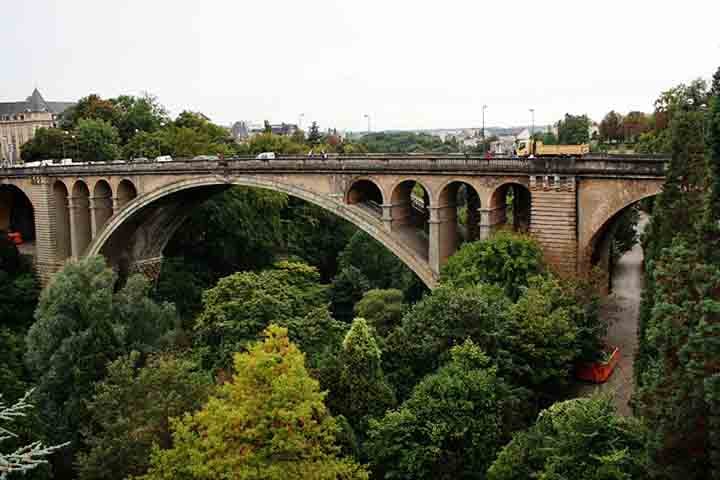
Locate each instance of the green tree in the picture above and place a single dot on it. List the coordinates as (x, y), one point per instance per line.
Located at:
(240, 306)
(347, 288)
(451, 426)
(574, 129)
(131, 409)
(91, 107)
(540, 335)
(19, 288)
(506, 259)
(138, 114)
(81, 325)
(679, 394)
(361, 391)
(383, 309)
(314, 136)
(439, 321)
(47, 143)
(380, 266)
(97, 140)
(269, 422)
(579, 438)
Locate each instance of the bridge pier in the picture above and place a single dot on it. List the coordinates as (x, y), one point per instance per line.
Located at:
(443, 233)
(490, 219)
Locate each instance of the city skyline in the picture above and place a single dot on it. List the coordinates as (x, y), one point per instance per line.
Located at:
(408, 65)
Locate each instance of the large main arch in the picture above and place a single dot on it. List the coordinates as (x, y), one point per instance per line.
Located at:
(140, 230)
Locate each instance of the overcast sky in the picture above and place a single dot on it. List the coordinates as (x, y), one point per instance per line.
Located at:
(406, 63)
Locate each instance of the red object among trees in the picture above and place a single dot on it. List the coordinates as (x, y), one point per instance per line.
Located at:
(15, 237)
(598, 372)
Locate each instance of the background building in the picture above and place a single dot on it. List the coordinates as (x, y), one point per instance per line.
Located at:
(20, 120)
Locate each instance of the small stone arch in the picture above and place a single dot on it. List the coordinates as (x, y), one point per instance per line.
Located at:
(459, 212)
(152, 243)
(126, 192)
(366, 191)
(63, 247)
(80, 225)
(516, 215)
(17, 213)
(101, 205)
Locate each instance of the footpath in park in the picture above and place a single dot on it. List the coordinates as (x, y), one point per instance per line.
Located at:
(621, 309)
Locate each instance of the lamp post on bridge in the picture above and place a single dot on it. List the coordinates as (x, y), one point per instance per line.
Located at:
(368, 120)
(484, 107)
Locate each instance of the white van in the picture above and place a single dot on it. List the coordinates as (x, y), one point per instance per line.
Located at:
(266, 156)
(164, 158)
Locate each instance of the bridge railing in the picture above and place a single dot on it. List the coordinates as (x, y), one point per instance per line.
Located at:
(609, 165)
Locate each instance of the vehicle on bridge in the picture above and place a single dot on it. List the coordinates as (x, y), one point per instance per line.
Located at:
(266, 156)
(536, 148)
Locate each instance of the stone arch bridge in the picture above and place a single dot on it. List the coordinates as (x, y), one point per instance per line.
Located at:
(421, 207)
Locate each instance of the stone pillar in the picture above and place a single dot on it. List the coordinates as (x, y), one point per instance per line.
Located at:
(399, 214)
(490, 219)
(387, 218)
(443, 235)
(46, 234)
(79, 225)
(101, 209)
(553, 221)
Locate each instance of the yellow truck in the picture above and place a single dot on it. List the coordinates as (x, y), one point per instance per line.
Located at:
(527, 148)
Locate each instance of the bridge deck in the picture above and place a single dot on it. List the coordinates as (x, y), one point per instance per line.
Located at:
(585, 166)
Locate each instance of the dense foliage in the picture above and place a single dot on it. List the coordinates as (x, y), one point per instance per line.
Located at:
(508, 260)
(581, 438)
(269, 422)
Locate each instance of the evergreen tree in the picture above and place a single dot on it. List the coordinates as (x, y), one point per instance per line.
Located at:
(269, 422)
(361, 392)
(451, 426)
(710, 228)
(314, 135)
(347, 288)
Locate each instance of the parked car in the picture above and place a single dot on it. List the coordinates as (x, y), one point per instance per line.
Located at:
(266, 156)
(206, 157)
(164, 158)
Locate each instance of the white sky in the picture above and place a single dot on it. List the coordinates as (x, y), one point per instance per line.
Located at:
(407, 63)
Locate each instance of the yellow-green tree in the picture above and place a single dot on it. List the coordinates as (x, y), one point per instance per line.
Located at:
(270, 422)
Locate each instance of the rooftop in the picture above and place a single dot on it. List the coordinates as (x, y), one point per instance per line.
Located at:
(34, 103)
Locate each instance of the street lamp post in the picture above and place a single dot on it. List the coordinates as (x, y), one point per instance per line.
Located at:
(300, 117)
(368, 119)
(484, 107)
(532, 125)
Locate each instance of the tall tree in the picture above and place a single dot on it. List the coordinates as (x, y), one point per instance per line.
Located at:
(579, 438)
(269, 422)
(97, 141)
(314, 135)
(80, 325)
(611, 127)
(451, 426)
(361, 392)
(131, 410)
(574, 129)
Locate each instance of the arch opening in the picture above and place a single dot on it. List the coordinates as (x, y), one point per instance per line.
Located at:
(410, 213)
(366, 193)
(510, 207)
(459, 205)
(63, 248)
(80, 218)
(126, 192)
(101, 205)
(17, 218)
(141, 230)
(619, 235)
